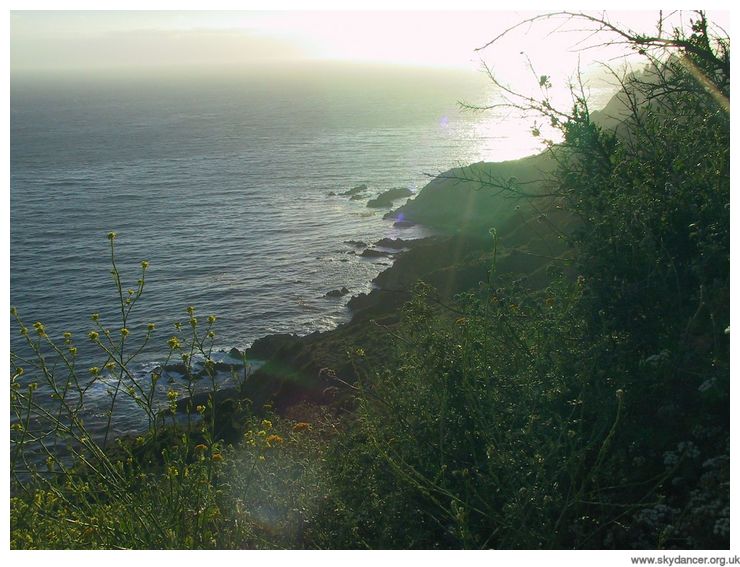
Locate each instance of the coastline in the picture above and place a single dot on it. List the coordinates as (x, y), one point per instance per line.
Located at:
(316, 369)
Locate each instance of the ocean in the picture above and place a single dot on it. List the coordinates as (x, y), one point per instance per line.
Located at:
(221, 180)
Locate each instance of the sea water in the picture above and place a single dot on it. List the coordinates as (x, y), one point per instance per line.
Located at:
(221, 180)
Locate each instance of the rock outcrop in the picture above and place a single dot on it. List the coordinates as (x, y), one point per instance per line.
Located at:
(386, 199)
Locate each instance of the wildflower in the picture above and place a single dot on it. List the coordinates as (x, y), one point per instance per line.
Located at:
(185, 357)
(193, 322)
(266, 424)
(580, 280)
(139, 440)
(33, 386)
(171, 395)
(211, 319)
(124, 332)
(360, 352)
(174, 343)
(130, 291)
(73, 351)
(24, 331)
(200, 408)
(39, 329)
(217, 457)
(19, 371)
(301, 426)
(172, 472)
(200, 447)
(150, 327)
(95, 316)
(112, 236)
(274, 439)
(190, 309)
(93, 335)
(144, 264)
(94, 370)
(210, 334)
(13, 311)
(67, 336)
(110, 365)
(178, 325)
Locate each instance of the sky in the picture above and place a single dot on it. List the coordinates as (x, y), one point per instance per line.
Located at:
(44, 41)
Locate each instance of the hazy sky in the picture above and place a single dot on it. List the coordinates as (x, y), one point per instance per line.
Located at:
(67, 40)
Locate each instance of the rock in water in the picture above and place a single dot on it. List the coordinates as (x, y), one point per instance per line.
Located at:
(337, 292)
(386, 198)
(355, 190)
(235, 353)
(370, 253)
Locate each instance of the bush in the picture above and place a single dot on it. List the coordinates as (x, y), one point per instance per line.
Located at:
(594, 413)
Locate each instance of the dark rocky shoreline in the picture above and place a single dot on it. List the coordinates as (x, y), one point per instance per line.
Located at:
(316, 368)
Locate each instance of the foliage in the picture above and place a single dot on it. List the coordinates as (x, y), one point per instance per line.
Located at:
(594, 413)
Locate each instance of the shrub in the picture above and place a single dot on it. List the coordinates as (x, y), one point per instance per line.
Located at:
(594, 413)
